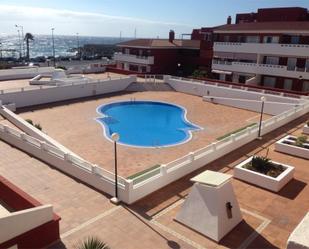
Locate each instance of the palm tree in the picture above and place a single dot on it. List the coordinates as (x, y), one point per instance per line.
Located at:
(92, 243)
(28, 37)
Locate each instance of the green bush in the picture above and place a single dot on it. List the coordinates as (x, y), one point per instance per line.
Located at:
(29, 121)
(92, 243)
(38, 126)
(300, 141)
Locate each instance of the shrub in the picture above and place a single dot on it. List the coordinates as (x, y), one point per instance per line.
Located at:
(300, 141)
(38, 126)
(261, 164)
(92, 243)
(29, 121)
(61, 67)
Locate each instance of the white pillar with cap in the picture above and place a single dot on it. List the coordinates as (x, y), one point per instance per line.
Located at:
(211, 208)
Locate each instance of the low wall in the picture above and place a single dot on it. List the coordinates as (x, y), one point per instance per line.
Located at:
(272, 108)
(31, 130)
(19, 222)
(31, 225)
(91, 174)
(49, 94)
(194, 160)
(24, 73)
(207, 88)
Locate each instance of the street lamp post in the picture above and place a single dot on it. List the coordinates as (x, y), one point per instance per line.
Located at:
(20, 55)
(22, 47)
(263, 99)
(115, 137)
(53, 40)
(78, 50)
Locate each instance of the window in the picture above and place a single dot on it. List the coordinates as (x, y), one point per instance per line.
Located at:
(291, 64)
(288, 83)
(226, 38)
(252, 39)
(306, 86)
(269, 81)
(272, 60)
(294, 39)
(271, 39)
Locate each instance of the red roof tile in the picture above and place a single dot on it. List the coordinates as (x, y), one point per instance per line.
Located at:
(161, 43)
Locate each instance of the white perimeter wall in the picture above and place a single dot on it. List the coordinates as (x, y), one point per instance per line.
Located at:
(24, 73)
(272, 108)
(17, 223)
(29, 97)
(210, 89)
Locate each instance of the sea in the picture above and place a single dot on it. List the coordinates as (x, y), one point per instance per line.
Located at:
(42, 44)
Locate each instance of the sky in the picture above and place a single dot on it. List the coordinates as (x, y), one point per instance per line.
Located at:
(148, 18)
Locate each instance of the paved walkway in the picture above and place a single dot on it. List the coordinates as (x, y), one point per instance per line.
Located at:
(149, 223)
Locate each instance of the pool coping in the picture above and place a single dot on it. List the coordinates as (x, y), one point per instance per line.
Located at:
(183, 117)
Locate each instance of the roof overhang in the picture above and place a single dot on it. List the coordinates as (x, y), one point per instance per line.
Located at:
(147, 47)
(252, 31)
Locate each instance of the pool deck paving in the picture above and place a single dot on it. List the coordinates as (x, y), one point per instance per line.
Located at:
(73, 124)
(269, 217)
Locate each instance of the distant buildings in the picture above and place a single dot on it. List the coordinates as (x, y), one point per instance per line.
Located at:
(158, 56)
(268, 48)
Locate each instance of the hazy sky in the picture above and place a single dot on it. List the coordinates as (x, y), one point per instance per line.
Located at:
(151, 18)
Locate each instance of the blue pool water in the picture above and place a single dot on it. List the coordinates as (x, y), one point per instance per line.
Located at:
(146, 123)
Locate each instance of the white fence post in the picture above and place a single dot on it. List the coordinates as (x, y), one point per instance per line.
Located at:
(67, 157)
(23, 136)
(191, 156)
(163, 170)
(42, 145)
(94, 168)
(214, 146)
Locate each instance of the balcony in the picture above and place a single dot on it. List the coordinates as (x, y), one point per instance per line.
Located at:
(293, 50)
(146, 60)
(265, 69)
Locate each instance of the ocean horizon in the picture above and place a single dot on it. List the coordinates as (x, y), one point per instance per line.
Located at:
(42, 44)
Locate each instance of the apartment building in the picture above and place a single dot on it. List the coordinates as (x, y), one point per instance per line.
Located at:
(158, 56)
(269, 48)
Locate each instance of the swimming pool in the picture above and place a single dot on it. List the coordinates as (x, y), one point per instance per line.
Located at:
(146, 123)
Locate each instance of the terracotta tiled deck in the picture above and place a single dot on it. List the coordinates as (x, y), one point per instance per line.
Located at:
(73, 124)
(149, 223)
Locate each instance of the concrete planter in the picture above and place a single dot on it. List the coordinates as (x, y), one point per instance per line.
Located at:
(286, 145)
(261, 180)
(306, 129)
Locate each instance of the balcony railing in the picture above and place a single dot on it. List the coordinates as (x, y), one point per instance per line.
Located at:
(149, 60)
(266, 69)
(263, 48)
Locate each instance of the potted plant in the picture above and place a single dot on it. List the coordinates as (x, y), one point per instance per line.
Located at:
(92, 243)
(296, 146)
(263, 172)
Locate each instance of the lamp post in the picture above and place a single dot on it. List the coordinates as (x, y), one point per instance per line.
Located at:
(53, 40)
(20, 55)
(78, 50)
(22, 47)
(263, 99)
(115, 137)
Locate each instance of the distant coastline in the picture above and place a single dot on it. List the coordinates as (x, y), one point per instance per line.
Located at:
(42, 44)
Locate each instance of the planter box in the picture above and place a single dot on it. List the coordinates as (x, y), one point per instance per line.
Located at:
(261, 180)
(291, 149)
(306, 129)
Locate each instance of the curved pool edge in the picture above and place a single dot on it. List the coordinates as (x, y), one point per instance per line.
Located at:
(183, 117)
